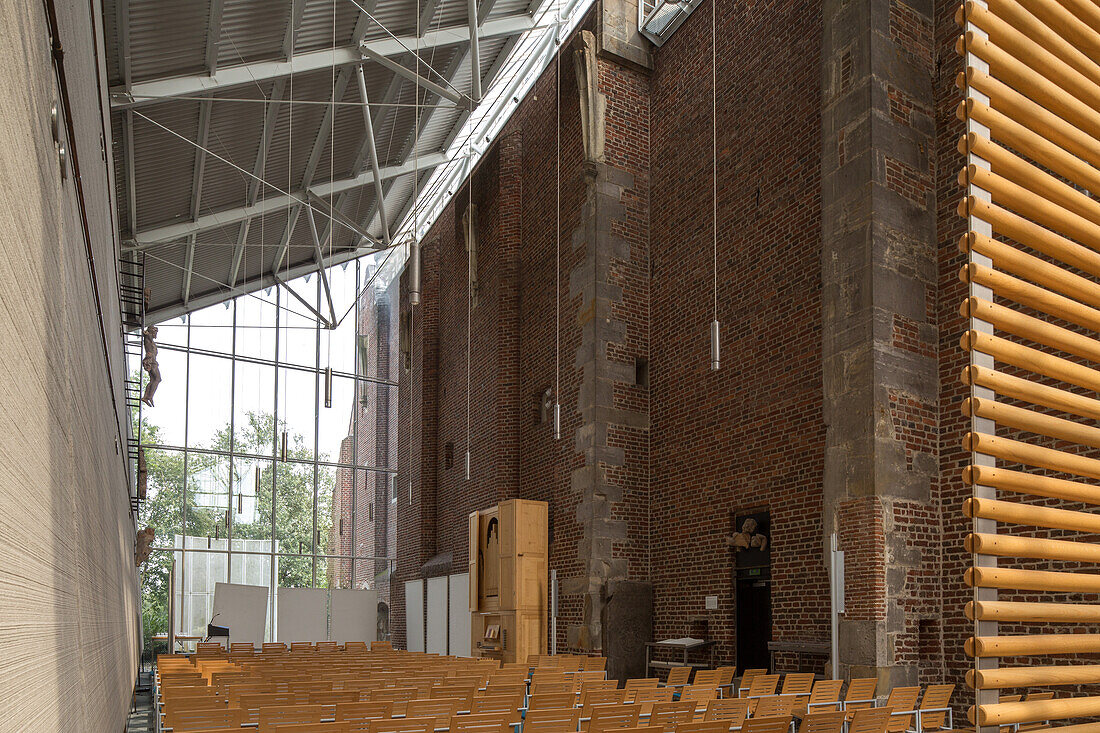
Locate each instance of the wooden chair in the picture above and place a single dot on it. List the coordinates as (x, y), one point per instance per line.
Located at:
(500, 688)
(399, 696)
(903, 701)
(326, 646)
(746, 680)
(1023, 727)
(733, 710)
(704, 726)
(306, 688)
(401, 725)
(337, 727)
(277, 715)
(667, 715)
(777, 724)
(870, 720)
(1009, 698)
(590, 664)
(762, 685)
(699, 693)
(635, 684)
(273, 647)
(485, 723)
(242, 646)
(381, 646)
(461, 692)
(609, 717)
(359, 714)
(934, 712)
(798, 683)
(252, 704)
(678, 676)
(551, 701)
(707, 677)
(204, 718)
(507, 704)
(594, 685)
(825, 697)
(591, 700)
(648, 697)
(726, 675)
(551, 720)
(860, 695)
(355, 646)
(773, 706)
(440, 708)
(830, 721)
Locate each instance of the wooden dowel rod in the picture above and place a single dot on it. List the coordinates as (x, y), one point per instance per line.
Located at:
(1032, 235)
(1010, 259)
(1020, 33)
(1006, 479)
(1035, 117)
(1033, 645)
(1039, 580)
(993, 679)
(1042, 150)
(1003, 545)
(1035, 180)
(1080, 728)
(1071, 27)
(1044, 211)
(1031, 421)
(1034, 711)
(1023, 612)
(1086, 10)
(1029, 82)
(1033, 392)
(1028, 514)
(1031, 328)
(1012, 288)
(1017, 451)
(1034, 360)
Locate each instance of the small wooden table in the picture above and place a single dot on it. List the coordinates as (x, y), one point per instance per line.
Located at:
(685, 647)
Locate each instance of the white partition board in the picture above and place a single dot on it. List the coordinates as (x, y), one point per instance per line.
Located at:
(414, 615)
(437, 616)
(353, 615)
(459, 612)
(302, 614)
(243, 610)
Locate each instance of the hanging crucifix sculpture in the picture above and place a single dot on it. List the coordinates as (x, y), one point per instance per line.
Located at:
(149, 364)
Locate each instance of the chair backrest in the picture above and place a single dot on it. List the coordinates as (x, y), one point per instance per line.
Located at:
(337, 727)
(699, 693)
(639, 683)
(861, 692)
(204, 718)
(273, 646)
(509, 704)
(901, 700)
(326, 646)
(552, 688)
(936, 699)
(749, 675)
(825, 691)
(831, 721)
(726, 675)
(355, 646)
(305, 688)
(276, 715)
(361, 713)
(251, 704)
(395, 694)
(707, 677)
(763, 684)
(500, 688)
(668, 714)
(608, 717)
(589, 664)
(484, 723)
(440, 708)
(551, 701)
(798, 683)
(678, 676)
(734, 710)
(776, 724)
(551, 720)
(591, 700)
(593, 685)
(381, 646)
(870, 720)
(775, 705)
(704, 726)
(401, 725)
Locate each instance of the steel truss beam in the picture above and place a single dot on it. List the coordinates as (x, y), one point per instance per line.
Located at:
(149, 92)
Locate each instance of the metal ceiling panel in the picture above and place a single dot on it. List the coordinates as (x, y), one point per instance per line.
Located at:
(163, 163)
(252, 31)
(236, 129)
(167, 38)
(315, 30)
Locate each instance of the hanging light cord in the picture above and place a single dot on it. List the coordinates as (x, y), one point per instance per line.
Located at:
(469, 296)
(714, 328)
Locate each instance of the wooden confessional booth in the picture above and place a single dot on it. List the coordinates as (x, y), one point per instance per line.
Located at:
(508, 580)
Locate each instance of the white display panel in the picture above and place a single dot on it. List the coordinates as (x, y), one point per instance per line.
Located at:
(353, 615)
(302, 615)
(459, 644)
(243, 610)
(414, 615)
(437, 616)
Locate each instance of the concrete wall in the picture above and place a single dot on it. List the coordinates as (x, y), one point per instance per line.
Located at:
(68, 586)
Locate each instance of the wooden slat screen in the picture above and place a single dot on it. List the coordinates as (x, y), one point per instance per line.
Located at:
(1032, 177)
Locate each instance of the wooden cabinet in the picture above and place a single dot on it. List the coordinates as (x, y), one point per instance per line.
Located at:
(508, 580)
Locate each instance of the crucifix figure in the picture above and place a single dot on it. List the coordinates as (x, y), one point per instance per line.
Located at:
(149, 364)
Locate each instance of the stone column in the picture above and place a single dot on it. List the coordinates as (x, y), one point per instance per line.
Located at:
(879, 337)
